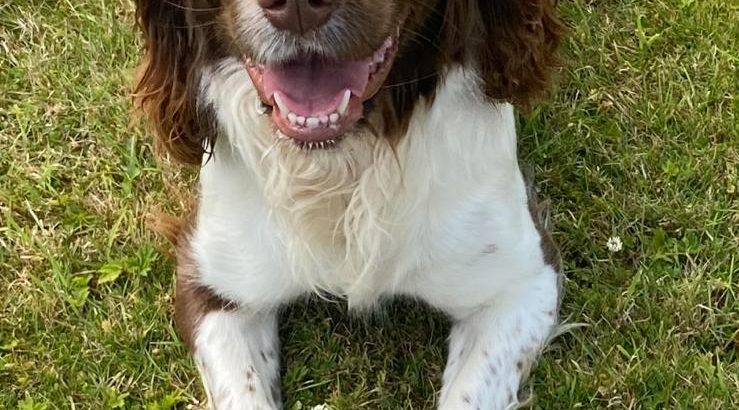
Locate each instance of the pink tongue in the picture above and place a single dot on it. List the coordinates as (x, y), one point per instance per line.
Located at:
(313, 87)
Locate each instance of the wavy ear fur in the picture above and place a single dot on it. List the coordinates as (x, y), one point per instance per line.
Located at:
(168, 79)
(512, 42)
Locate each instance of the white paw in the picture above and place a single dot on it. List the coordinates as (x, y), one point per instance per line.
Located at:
(251, 395)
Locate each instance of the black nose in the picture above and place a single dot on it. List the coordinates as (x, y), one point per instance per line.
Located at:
(298, 16)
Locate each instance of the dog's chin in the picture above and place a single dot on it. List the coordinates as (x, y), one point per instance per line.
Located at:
(316, 102)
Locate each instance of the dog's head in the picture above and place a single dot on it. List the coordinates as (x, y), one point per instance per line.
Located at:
(325, 67)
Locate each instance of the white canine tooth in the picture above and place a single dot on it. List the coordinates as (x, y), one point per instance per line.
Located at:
(300, 120)
(312, 122)
(344, 102)
(281, 104)
(334, 118)
(322, 146)
(323, 119)
(292, 118)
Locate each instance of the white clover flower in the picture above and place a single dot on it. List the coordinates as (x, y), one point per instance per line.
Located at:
(614, 244)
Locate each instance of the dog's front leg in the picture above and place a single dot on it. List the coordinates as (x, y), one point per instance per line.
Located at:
(492, 347)
(235, 349)
(237, 355)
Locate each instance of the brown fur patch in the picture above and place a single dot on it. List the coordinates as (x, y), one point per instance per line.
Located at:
(192, 300)
(513, 43)
(167, 80)
(168, 226)
(548, 247)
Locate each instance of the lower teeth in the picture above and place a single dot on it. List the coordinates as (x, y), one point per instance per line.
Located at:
(310, 146)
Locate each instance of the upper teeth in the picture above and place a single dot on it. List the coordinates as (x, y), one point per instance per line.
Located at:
(312, 122)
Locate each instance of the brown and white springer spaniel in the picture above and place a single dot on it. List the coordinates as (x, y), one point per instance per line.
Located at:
(361, 149)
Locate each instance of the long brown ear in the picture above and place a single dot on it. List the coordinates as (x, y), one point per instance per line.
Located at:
(513, 42)
(168, 79)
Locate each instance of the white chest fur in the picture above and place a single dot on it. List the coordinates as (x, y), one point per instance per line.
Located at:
(359, 222)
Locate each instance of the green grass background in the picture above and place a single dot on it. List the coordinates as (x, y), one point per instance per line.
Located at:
(640, 141)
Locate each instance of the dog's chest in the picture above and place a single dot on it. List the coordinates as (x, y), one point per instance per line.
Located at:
(451, 196)
(374, 241)
(376, 253)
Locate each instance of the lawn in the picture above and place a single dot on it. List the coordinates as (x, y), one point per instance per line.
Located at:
(639, 141)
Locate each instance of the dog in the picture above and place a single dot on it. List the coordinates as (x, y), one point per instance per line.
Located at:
(361, 149)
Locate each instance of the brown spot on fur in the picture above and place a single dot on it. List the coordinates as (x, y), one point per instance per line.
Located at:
(489, 249)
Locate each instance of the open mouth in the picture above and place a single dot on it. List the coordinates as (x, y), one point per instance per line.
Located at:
(315, 101)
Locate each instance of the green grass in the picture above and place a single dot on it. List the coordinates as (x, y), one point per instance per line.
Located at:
(639, 141)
